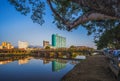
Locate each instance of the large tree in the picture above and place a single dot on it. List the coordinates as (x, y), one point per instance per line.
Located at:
(96, 16)
(70, 14)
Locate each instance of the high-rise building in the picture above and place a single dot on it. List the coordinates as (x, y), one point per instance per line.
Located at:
(58, 41)
(6, 45)
(46, 43)
(22, 45)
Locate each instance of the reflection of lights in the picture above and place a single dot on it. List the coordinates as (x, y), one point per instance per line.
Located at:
(74, 62)
(23, 61)
(80, 57)
(46, 61)
(5, 62)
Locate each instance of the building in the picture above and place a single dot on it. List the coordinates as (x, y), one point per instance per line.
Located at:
(46, 43)
(22, 45)
(6, 45)
(58, 41)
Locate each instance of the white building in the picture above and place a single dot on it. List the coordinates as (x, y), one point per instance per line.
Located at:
(46, 43)
(1, 47)
(22, 45)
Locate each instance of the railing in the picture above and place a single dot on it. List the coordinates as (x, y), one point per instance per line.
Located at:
(114, 64)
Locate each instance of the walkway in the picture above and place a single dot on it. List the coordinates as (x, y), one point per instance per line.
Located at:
(94, 68)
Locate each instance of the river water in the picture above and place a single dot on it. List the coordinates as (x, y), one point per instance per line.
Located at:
(35, 69)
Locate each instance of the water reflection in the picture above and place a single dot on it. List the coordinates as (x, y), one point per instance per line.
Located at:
(34, 68)
(57, 65)
(5, 62)
(23, 61)
(20, 59)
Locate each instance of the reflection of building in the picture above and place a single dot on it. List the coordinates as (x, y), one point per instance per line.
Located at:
(23, 61)
(57, 66)
(46, 61)
(1, 47)
(58, 41)
(46, 43)
(6, 45)
(22, 45)
(5, 62)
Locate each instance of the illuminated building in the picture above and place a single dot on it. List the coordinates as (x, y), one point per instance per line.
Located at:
(22, 45)
(58, 41)
(46, 43)
(6, 45)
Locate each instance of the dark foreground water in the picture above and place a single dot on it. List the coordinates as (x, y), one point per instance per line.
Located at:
(35, 69)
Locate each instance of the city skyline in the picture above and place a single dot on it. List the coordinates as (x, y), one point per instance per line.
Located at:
(15, 27)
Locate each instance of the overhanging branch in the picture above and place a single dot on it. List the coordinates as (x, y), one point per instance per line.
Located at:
(56, 14)
(90, 16)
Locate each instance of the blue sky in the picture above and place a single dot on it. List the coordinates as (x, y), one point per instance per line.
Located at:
(15, 27)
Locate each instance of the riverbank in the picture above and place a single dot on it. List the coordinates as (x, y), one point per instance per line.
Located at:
(94, 68)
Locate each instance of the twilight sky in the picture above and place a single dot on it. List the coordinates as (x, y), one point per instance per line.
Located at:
(15, 27)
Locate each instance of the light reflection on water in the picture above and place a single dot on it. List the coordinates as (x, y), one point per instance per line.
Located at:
(35, 69)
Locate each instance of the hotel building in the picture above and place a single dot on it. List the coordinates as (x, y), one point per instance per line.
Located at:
(58, 41)
(22, 45)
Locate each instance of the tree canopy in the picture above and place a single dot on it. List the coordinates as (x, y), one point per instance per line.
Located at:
(70, 14)
(110, 38)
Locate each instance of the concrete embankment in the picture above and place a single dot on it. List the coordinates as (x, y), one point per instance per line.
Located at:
(94, 68)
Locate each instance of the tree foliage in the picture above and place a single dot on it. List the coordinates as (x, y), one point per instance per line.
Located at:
(47, 47)
(69, 14)
(110, 38)
(35, 7)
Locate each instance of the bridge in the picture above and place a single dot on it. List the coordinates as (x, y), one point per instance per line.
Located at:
(58, 54)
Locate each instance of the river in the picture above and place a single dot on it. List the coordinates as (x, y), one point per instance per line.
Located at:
(35, 68)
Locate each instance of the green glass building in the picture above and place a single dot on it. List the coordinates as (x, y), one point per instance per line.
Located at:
(58, 41)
